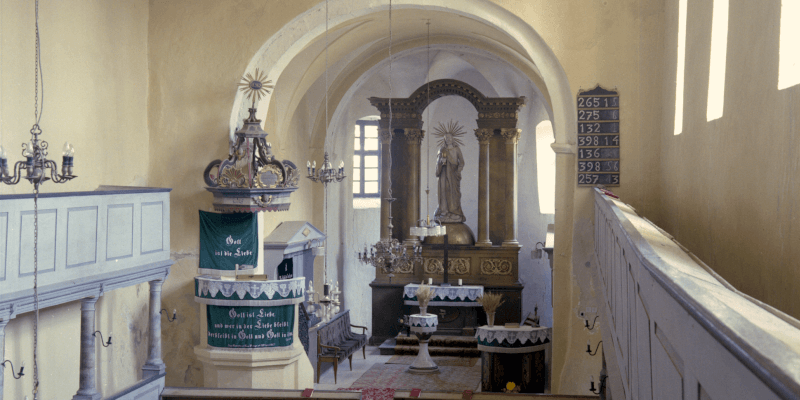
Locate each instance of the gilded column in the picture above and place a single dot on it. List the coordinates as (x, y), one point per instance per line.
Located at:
(87, 384)
(414, 138)
(483, 135)
(3, 324)
(386, 153)
(512, 138)
(154, 364)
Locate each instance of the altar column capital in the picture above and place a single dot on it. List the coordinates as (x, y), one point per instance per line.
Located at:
(511, 135)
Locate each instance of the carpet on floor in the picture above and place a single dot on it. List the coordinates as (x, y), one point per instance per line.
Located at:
(395, 376)
(440, 361)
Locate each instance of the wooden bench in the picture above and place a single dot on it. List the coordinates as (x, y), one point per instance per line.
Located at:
(336, 341)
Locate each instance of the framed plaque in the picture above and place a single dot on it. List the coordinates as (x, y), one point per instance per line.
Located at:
(598, 137)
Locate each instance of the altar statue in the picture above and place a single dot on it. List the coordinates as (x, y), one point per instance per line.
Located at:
(449, 164)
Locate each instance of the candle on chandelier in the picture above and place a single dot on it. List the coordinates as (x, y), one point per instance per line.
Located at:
(308, 164)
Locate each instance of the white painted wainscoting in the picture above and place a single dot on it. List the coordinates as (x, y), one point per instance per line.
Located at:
(89, 243)
(673, 329)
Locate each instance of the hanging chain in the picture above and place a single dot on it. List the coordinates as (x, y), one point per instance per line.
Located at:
(35, 289)
(391, 131)
(428, 146)
(38, 116)
(326, 70)
(37, 109)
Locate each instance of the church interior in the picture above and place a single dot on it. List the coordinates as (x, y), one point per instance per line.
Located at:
(620, 172)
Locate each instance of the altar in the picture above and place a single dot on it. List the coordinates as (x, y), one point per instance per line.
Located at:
(456, 307)
(490, 256)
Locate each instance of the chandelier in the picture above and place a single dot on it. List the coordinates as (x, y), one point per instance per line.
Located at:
(35, 169)
(388, 254)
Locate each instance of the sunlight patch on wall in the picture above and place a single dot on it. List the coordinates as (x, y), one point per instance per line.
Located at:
(789, 63)
(719, 51)
(546, 167)
(681, 65)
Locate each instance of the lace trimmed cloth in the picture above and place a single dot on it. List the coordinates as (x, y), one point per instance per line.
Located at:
(211, 290)
(446, 295)
(523, 336)
(427, 323)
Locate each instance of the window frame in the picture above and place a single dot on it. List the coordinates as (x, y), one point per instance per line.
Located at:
(361, 124)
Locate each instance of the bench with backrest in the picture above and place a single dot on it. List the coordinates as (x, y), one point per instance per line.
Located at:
(336, 341)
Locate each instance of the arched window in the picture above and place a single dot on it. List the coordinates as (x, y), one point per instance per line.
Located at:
(366, 159)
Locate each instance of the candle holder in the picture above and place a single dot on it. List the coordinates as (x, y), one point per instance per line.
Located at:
(327, 173)
(36, 164)
(326, 304)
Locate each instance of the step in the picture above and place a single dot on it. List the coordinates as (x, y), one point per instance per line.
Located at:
(439, 341)
(439, 351)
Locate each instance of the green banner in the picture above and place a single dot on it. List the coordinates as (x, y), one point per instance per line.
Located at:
(228, 240)
(250, 327)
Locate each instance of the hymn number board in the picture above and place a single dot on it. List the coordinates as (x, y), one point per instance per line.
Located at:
(598, 137)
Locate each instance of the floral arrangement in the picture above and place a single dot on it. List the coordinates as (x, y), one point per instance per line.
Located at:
(490, 301)
(424, 295)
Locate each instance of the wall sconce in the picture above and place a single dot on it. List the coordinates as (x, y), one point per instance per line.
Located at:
(586, 323)
(589, 348)
(101, 338)
(164, 310)
(538, 252)
(602, 384)
(16, 376)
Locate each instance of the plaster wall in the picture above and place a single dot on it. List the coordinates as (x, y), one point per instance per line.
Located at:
(729, 185)
(95, 94)
(198, 53)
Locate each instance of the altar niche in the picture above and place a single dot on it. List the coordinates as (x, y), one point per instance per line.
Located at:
(490, 258)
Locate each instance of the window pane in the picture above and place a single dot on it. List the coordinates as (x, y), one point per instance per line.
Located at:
(357, 144)
(370, 144)
(371, 131)
(371, 161)
(356, 187)
(370, 187)
(357, 174)
(356, 162)
(357, 131)
(371, 174)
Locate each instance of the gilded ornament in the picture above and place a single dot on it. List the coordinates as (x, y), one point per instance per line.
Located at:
(495, 266)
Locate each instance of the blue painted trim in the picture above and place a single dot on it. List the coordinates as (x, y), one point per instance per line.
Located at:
(132, 190)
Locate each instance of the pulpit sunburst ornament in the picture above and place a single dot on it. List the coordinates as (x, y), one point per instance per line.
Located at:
(255, 86)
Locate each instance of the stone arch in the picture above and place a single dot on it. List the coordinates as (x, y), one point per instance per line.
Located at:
(284, 45)
(493, 112)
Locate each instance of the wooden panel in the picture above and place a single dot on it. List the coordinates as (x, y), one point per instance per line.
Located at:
(46, 242)
(3, 245)
(81, 236)
(667, 367)
(152, 227)
(643, 351)
(120, 231)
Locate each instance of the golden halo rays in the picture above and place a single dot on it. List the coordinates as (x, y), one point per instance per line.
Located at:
(452, 129)
(255, 86)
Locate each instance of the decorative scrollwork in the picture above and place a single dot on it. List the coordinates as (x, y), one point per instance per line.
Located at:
(456, 266)
(495, 266)
(232, 177)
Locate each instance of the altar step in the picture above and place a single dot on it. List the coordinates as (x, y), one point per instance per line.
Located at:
(439, 345)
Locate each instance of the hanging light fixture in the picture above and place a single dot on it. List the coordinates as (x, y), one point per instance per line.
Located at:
(388, 254)
(36, 164)
(326, 173)
(35, 168)
(426, 227)
(328, 302)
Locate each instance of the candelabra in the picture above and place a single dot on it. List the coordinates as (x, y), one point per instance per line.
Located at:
(327, 173)
(36, 163)
(389, 255)
(324, 305)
